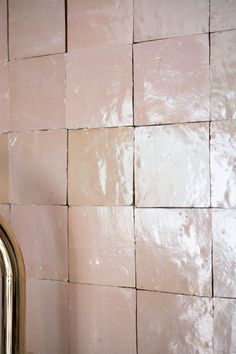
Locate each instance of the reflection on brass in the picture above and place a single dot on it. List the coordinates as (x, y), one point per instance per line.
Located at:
(13, 292)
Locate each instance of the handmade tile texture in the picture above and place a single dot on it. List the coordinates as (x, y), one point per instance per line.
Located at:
(99, 23)
(3, 30)
(4, 169)
(172, 166)
(223, 75)
(44, 20)
(167, 90)
(5, 211)
(101, 167)
(222, 15)
(223, 164)
(37, 88)
(107, 75)
(104, 314)
(169, 18)
(4, 97)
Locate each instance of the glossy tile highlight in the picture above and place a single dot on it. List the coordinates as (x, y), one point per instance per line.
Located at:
(100, 167)
(223, 75)
(172, 166)
(102, 320)
(223, 164)
(4, 97)
(224, 250)
(46, 317)
(101, 245)
(99, 23)
(167, 90)
(4, 169)
(169, 323)
(38, 167)
(222, 15)
(37, 92)
(3, 30)
(107, 75)
(169, 18)
(42, 233)
(173, 250)
(44, 20)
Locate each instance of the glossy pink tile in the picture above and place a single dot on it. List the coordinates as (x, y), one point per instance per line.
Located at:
(46, 317)
(100, 167)
(222, 15)
(167, 90)
(4, 97)
(99, 23)
(106, 74)
(44, 20)
(5, 212)
(37, 92)
(38, 167)
(3, 30)
(43, 239)
(168, 18)
(223, 157)
(101, 244)
(173, 250)
(224, 250)
(4, 169)
(169, 323)
(172, 166)
(224, 326)
(223, 75)
(102, 320)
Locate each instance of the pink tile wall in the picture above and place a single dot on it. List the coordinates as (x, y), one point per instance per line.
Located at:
(117, 172)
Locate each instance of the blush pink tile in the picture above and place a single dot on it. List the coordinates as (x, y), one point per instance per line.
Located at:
(99, 23)
(223, 165)
(172, 166)
(36, 28)
(169, 323)
(102, 320)
(43, 239)
(168, 18)
(167, 90)
(224, 326)
(101, 244)
(3, 30)
(5, 212)
(4, 97)
(222, 15)
(173, 250)
(46, 317)
(38, 167)
(223, 75)
(224, 250)
(101, 167)
(4, 169)
(37, 92)
(107, 75)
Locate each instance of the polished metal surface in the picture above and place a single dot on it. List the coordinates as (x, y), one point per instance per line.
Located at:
(13, 292)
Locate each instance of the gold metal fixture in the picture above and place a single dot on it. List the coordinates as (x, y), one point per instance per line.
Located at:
(13, 292)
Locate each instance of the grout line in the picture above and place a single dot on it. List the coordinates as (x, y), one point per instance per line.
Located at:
(37, 56)
(66, 25)
(8, 36)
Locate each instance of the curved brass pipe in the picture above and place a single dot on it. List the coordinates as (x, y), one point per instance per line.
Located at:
(13, 292)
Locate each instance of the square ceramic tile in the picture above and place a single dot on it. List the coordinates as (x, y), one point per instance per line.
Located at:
(222, 15)
(101, 244)
(99, 23)
(223, 164)
(4, 97)
(107, 75)
(37, 92)
(224, 250)
(46, 317)
(4, 169)
(223, 75)
(5, 212)
(169, 323)
(101, 167)
(3, 30)
(102, 320)
(38, 167)
(168, 18)
(172, 166)
(167, 90)
(224, 326)
(36, 28)
(173, 250)
(42, 233)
